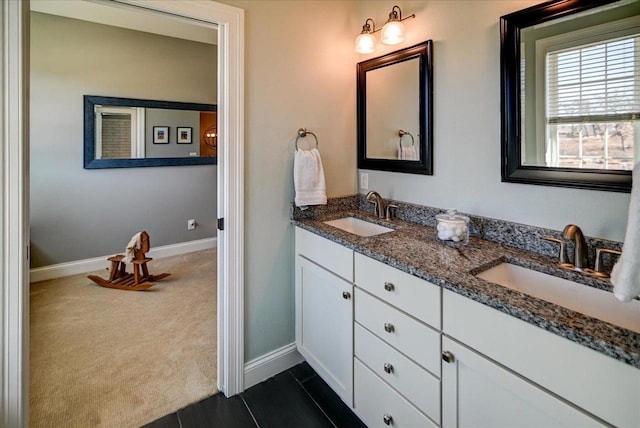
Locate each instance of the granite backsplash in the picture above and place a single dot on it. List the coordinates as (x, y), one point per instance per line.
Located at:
(521, 236)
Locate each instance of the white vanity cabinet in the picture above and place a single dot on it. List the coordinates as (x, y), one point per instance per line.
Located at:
(397, 347)
(324, 310)
(403, 352)
(500, 371)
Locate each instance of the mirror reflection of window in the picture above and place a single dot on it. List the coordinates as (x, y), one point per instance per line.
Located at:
(117, 132)
(582, 87)
(592, 104)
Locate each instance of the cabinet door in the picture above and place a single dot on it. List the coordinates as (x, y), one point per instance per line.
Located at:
(478, 393)
(324, 325)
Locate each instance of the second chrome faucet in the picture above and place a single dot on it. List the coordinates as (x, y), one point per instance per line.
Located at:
(580, 263)
(580, 256)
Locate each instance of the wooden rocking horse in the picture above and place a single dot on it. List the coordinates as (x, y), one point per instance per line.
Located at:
(120, 279)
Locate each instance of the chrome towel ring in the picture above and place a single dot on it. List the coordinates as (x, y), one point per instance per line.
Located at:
(401, 134)
(302, 133)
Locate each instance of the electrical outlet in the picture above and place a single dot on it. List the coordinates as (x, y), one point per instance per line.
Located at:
(191, 224)
(364, 180)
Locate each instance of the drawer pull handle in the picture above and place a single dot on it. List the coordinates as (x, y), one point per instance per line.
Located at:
(388, 327)
(346, 295)
(448, 357)
(387, 419)
(389, 286)
(388, 368)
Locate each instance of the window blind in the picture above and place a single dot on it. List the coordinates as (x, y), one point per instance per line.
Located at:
(598, 82)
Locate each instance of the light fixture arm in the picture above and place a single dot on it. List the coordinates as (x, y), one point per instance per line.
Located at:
(396, 15)
(369, 29)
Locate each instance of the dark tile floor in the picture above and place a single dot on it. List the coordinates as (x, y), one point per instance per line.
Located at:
(295, 398)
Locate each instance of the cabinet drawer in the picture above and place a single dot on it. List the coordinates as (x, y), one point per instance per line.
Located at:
(599, 384)
(409, 336)
(374, 400)
(416, 384)
(328, 254)
(413, 295)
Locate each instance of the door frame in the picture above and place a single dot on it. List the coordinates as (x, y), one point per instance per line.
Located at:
(14, 196)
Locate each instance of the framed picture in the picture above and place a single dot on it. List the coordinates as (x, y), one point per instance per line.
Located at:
(160, 135)
(184, 135)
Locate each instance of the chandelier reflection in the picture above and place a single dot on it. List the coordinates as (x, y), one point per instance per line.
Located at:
(210, 137)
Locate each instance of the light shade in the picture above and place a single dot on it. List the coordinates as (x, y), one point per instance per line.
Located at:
(392, 33)
(365, 43)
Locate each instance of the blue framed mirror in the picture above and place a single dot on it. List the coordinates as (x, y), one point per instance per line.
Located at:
(131, 133)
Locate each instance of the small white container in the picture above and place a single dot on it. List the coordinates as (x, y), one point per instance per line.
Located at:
(452, 226)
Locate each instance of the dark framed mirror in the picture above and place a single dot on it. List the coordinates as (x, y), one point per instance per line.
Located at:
(570, 106)
(128, 133)
(395, 111)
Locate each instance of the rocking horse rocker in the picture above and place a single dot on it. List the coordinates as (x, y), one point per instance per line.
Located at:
(135, 254)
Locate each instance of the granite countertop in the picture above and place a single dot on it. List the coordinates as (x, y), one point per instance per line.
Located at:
(415, 249)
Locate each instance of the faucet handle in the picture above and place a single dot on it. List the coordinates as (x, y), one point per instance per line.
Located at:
(562, 256)
(598, 266)
(389, 215)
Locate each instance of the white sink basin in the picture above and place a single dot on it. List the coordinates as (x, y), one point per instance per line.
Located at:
(358, 227)
(571, 295)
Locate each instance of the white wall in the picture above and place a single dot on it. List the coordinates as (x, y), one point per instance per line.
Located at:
(467, 126)
(299, 72)
(76, 213)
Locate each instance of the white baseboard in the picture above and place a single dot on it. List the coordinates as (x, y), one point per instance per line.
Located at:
(96, 263)
(269, 365)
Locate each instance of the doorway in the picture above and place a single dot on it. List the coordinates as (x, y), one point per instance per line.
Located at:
(230, 242)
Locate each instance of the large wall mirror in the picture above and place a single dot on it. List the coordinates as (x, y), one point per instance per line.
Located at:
(126, 132)
(570, 77)
(395, 118)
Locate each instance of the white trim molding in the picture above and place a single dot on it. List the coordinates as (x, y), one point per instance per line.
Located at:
(96, 263)
(269, 365)
(14, 197)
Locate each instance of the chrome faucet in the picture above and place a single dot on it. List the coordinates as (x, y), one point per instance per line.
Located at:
(378, 203)
(573, 232)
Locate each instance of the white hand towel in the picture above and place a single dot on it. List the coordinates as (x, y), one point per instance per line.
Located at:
(308, 178)
(132, 246)
(625, 275)
(407, 153)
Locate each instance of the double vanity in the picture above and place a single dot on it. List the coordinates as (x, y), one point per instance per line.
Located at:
(410, 331)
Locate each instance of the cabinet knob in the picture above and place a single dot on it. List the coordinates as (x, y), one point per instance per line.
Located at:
(388, 327)
(387, 419)
(389, 286)
(448, 357)
(388, 367)
(346, 295)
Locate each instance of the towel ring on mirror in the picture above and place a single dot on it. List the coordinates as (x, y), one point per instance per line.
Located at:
(302, 133)
(401, 134)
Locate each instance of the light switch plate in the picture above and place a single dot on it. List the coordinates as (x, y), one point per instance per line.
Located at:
(364, 180)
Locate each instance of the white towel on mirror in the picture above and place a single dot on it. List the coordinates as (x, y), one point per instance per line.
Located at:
(407, 153)
(625, 275)
(308, 178)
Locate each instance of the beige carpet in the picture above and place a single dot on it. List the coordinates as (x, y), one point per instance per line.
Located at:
(110, 358)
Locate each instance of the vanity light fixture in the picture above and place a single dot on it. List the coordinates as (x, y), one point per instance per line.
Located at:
(366, 41)
(392, 32)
